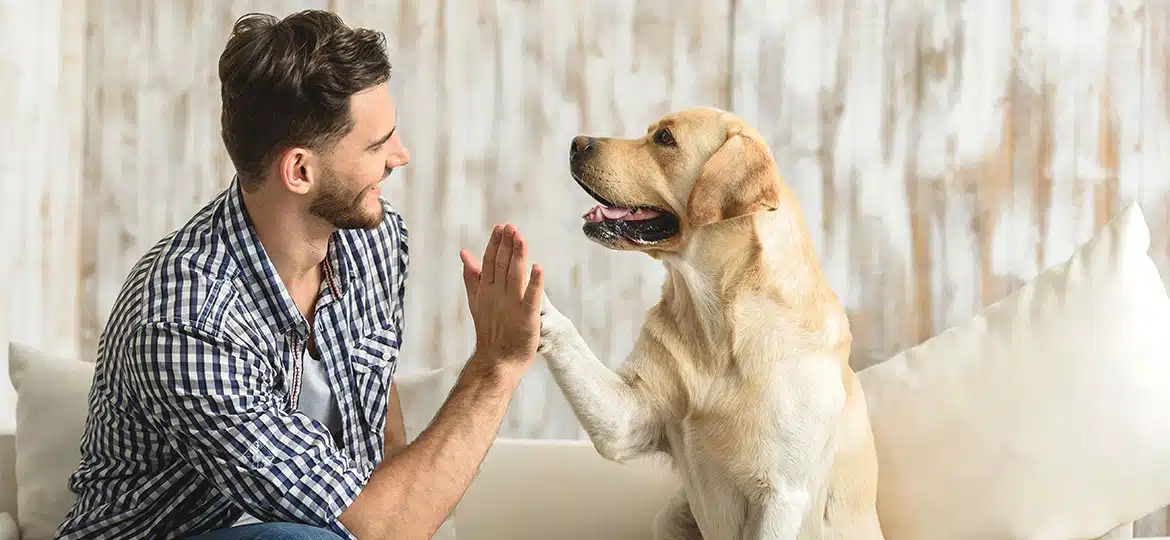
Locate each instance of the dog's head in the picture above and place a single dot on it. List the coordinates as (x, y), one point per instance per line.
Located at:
(691, 169)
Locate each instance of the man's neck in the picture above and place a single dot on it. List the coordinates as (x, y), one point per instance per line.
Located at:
(295, 241)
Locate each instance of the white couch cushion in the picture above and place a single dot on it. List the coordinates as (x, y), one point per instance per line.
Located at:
(1045, 417)
(50, 417)
(562, 489)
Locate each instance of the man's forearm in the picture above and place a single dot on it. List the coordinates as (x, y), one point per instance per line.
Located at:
(411, 493)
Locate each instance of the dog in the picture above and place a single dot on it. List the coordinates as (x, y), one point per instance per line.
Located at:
(740, 374)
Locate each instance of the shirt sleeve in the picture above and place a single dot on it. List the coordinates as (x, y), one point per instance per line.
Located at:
(213, 401)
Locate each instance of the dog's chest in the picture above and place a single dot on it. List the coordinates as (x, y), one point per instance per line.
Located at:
(731, 434)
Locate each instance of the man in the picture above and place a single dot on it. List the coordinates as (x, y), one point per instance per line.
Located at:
(244, 380)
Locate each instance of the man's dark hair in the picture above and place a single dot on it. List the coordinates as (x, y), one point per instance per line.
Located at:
(287, 82)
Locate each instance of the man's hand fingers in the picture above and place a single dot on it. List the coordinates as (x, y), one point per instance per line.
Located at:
(503, 254)
(471, 272)
(516, 274)
(488, 272)
(535, 290)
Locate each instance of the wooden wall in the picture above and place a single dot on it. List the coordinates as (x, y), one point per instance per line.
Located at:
(42, 148)
(945, 151)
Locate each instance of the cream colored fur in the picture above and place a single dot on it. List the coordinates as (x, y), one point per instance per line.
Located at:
(740, 374)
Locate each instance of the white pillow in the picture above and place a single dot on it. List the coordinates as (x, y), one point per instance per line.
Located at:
(8, 528)
(51, 395)
(422, 393)
(1045, 417)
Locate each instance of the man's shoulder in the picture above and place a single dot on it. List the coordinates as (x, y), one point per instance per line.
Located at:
(182, 276)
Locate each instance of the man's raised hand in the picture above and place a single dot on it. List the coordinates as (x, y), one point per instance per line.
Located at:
(504, 299)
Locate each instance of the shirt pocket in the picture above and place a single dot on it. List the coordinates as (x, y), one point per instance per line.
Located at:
(374, 357)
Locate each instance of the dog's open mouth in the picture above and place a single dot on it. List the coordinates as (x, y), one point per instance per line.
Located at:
(608, 221)
(602, 212)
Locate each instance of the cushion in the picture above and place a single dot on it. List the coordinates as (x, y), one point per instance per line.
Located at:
(521, 494)
(51, 397)
(1043, 417)
(8, 528)
(422, 393)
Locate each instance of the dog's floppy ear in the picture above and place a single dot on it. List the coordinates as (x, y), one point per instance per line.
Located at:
(739, 179)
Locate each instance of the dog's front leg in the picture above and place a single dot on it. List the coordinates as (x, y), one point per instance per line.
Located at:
(777, 515)
(617, 417)
(782, 493)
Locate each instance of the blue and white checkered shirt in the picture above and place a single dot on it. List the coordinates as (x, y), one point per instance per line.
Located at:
(192, 416)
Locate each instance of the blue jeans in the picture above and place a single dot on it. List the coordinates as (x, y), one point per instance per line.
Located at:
(269, 531)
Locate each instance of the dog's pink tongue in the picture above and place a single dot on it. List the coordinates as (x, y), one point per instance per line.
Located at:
(616, 213)
(640, 215)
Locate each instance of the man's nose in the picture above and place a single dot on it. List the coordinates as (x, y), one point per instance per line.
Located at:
(399, 157)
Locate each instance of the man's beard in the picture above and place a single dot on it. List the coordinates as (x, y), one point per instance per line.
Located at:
(344, 209)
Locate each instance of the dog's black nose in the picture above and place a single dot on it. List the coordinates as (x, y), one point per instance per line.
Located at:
(581, 144)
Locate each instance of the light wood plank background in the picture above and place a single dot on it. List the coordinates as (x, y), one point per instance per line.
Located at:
(945, 151)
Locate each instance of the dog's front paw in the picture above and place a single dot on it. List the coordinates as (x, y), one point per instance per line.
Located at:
(553, 325)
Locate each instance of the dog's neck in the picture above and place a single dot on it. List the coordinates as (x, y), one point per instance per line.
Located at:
(768, 255)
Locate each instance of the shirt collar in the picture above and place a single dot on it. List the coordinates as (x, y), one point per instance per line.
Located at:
(259, 274)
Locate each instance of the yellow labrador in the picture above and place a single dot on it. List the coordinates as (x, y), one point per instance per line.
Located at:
(740, 374)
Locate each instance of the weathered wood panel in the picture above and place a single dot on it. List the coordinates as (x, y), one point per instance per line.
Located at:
(948, 154)
(40, 172)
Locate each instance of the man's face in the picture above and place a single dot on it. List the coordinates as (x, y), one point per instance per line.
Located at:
(348, 197)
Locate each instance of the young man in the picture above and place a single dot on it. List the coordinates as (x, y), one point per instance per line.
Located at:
(244, 380)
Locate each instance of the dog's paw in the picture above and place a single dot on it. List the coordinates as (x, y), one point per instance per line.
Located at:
(553, 325)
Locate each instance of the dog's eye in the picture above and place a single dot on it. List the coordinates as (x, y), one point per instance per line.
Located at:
(664, 137)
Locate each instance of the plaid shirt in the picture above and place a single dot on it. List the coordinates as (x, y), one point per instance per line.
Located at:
(192, 415)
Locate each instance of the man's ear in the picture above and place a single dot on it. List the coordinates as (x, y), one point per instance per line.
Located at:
(739, 179)
(296, 170)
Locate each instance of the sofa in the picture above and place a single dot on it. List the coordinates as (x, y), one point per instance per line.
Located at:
(1043, 417)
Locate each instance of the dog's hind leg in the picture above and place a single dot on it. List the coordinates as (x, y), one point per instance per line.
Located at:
(675, 521)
